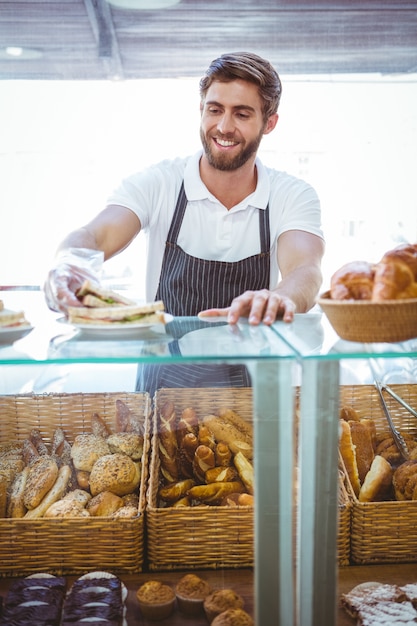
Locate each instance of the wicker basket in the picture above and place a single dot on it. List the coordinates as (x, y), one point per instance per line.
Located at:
(370, 322)
(383, 532)
(71, 546)
(214, 536)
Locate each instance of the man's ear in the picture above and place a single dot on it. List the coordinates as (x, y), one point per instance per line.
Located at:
(271, 123)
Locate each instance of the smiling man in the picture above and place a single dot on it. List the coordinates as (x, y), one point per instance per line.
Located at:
(226, 235)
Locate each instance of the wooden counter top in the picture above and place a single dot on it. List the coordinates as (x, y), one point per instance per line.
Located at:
(242, 582)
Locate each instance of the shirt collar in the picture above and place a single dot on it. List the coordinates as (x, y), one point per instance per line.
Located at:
(195, 189)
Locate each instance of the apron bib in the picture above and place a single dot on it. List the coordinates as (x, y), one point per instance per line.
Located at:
(188, 285)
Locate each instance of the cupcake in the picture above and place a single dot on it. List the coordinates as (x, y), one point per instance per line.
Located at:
(191, 591)
(219, 601)
(233, 617)
(156, 600)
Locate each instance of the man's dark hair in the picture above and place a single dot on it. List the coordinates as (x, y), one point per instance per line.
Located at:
(250, 67)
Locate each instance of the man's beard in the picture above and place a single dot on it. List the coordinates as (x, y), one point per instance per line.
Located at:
(223, 162)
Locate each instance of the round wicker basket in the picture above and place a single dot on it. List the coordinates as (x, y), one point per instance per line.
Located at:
(371, 322)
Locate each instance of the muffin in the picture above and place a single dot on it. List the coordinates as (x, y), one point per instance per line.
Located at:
(219, 601)
(191, 591)
(156, 600)
(233, 617)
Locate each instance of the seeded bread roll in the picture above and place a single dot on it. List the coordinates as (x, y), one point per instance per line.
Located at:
(86, 449)
(42, 475)
(127, 443)
(16, 507)
(55, 493)
(116, 473)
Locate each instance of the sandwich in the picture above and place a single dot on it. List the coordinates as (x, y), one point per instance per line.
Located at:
(150, 313)
(12, 319)
(91, 295)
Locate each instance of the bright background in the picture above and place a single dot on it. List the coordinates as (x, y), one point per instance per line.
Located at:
(65, 145)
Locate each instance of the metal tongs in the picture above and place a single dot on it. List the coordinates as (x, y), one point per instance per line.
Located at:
(398, 438)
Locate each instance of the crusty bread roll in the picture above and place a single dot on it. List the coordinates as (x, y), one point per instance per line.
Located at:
(116, 473)
(66, 508)
(42, 475)
(86, 449)
(377, 481)
(79, 495)
(403, 475)
(104, 503)
(126, 443)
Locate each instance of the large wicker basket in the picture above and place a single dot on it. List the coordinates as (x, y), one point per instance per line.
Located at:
(213, 536)
(369, 322)
(383, 532)
(71, 546)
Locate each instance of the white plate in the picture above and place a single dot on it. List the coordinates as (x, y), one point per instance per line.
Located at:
(114, 329)
(12, 334)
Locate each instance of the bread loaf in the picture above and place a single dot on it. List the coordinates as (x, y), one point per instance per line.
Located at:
(176, 491)
(204, 459)
(66, 508)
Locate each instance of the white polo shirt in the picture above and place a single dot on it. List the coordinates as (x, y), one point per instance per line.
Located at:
(210, 231)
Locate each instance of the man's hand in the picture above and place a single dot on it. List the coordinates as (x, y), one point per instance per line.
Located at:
(258, 306)
(62, 284)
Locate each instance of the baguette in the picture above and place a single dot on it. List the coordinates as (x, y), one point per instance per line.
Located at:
(245, 471)
(221, 474)
(168, 445)
(54, 494)
(214, 493)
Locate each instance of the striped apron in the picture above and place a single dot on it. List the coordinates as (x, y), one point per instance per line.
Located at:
(188, 285)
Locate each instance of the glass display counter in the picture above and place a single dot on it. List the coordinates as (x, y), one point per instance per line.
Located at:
(295, 574)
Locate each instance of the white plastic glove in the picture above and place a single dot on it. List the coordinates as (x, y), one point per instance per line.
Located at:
(72, 267)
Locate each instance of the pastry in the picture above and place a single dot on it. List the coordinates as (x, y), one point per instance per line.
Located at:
(221, 600)
(353, 281)
(370, 594)
(233, 617)
(191, 591)
(347, 450)
(156, 600)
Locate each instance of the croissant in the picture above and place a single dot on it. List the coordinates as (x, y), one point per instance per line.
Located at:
(353, 281)
(395, 275)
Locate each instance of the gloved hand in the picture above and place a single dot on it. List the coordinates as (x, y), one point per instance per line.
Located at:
(72, 267)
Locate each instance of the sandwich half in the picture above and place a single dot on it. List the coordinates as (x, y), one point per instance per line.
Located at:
(91, 295)
(150, 313)
(12, 319)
